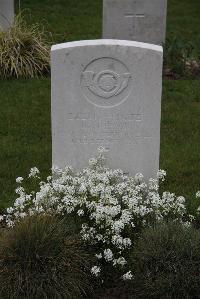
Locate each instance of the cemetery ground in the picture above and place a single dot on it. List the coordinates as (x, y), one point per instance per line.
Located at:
(25, 104)
(46, 245)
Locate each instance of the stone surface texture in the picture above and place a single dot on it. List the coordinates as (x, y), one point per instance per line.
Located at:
(138, 20)
(107, 93)
(6, 13)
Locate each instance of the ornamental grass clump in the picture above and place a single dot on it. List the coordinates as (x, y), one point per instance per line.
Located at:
(111, 208)
(39, 258)
(166, 263)
(24, 51)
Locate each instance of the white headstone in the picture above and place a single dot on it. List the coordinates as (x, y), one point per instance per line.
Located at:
(6, 13)
(138, 20)
(107, 93)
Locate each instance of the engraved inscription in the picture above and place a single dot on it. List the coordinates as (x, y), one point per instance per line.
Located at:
(106, 82)
(112, 115)
(135, 22)
(115, 128)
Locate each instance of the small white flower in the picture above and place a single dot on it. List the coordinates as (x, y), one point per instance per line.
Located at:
(1, 218)
(101, 149)
(19, 190)
(139, 177)
(99, 256)
(19, 180)
(108, 255)
(120, 261)
(22, 215)
(80, 212)
(181, 199)
(82, 188)
(198, 194)
(127, 242)
(19, 202)
(96, 270)
(10, 223)
(161, 174)
(10, 210)
(153, 184)
(127, 276)
(33, 172)
(49, 178)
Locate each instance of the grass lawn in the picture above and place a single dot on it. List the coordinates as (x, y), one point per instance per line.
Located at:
(82, 19)
(25, 124)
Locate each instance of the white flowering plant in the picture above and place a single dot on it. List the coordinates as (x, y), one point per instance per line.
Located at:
(111, 207)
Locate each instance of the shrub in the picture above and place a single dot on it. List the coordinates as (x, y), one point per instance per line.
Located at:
(110, 207)
(166, 262)
(181, 58)
(24, 51)
(40, 259)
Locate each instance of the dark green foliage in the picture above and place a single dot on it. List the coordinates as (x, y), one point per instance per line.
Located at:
(24, 51)
(183, 19)
(181, 58)
(39, 258)
(166, 263)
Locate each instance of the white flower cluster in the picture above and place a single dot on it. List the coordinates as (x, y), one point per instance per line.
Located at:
(111, 205)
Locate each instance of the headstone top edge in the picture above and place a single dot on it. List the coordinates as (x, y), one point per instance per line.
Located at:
(114, 42)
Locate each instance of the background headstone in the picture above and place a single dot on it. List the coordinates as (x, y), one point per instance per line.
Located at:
(6, 13)
(138, 20)
(107, 93)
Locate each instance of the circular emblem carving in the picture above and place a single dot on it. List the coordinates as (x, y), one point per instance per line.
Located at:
(106, 82)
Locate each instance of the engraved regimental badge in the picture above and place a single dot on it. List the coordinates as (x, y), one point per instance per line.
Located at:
(106, 82)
